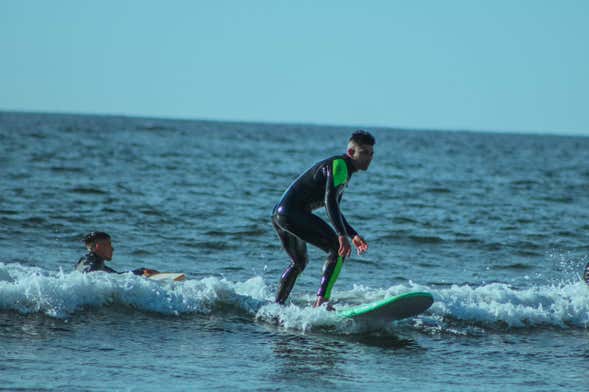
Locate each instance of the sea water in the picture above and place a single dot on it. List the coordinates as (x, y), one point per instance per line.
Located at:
(495, 226)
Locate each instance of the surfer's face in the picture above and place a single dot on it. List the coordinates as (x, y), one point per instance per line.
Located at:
(104, 249)
(361, 155)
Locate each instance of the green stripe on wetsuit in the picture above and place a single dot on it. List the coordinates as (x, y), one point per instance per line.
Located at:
(334, 275)
(340, 176)
(340, 172)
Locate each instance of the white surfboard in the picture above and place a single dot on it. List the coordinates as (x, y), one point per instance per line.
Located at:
(168, 276)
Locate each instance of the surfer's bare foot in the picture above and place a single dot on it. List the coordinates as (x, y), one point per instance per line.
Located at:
(320, 301)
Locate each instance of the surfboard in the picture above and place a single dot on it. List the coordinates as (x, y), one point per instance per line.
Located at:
(389, 309)
(171, 276)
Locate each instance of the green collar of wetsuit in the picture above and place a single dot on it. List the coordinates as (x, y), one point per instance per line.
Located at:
(351, 168)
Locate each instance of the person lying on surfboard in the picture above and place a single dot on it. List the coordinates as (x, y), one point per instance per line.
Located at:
(100, 249)
(322, 185)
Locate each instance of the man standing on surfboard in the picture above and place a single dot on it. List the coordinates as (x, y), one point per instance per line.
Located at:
(322, 185)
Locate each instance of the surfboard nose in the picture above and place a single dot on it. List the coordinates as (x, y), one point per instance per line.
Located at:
(391, 308)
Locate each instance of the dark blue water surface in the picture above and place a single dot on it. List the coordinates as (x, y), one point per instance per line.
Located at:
(495, 226)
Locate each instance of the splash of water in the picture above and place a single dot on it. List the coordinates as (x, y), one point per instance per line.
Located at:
(56, 294)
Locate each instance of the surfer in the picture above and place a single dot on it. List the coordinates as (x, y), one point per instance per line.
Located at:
(100, 249)
(322, 185)
(586, 274)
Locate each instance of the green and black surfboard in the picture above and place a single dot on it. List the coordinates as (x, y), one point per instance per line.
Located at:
(392, 308)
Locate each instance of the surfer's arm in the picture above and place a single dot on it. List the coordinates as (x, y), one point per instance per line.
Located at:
(359, 242)
(144, 271)
(332, 201)
(138, 271)
(110, 270)
(349, 229)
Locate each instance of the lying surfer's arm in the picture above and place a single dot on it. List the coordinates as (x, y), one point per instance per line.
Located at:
(145, 271)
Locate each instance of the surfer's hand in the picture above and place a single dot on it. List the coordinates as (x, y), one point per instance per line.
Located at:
(360, 244)
(344, 246)
(149, 272)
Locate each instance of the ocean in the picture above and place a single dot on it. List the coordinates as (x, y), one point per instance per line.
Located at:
(494, 225)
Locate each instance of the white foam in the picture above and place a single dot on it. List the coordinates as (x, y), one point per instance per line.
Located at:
(495, 304)
(57, 294)
(61, 294)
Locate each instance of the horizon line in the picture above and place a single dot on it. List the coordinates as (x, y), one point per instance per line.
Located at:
(296, 123)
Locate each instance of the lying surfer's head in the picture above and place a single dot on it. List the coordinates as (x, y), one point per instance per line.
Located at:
(99, 242)
(361, 149)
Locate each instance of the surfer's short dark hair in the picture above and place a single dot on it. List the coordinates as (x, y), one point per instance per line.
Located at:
(362, 137)
(94, 236)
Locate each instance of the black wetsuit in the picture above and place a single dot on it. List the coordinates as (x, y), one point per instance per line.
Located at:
(91, 262)
(322, 185)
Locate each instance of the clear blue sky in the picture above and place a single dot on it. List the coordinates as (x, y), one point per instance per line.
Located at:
(477, 65)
